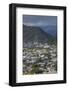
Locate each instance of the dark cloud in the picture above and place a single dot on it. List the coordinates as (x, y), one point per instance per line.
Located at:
(35, 20)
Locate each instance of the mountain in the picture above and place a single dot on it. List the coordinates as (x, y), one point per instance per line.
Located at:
(51, 29)
(33, 34)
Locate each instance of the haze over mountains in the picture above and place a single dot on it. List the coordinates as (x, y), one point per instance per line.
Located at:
(51, 29)
(48, 24)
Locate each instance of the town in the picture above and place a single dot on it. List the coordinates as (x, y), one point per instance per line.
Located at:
(39, 59)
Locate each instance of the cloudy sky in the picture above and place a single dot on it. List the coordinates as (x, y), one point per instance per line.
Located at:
(35, 20)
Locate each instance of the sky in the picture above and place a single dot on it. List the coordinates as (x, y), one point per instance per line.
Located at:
(37, 20)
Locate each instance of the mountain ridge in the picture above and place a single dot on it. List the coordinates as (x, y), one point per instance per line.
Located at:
(36, 34)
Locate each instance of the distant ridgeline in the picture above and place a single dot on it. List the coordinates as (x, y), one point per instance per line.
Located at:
(34, 36)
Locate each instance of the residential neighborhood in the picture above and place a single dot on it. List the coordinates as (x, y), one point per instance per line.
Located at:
(40, 59)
